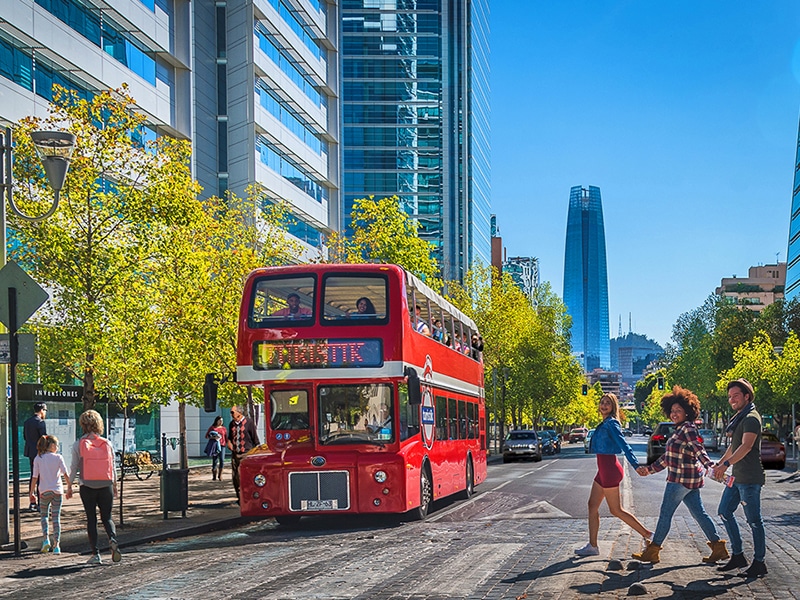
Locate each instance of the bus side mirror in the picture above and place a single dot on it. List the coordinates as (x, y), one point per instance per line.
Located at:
(210, 393)
(414, 392)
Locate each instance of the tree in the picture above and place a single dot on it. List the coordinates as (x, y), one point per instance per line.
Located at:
(383, 233)
(120, 199)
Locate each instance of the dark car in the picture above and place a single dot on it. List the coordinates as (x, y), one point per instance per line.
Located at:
(587, 442)
(627, 432)
(522, 443)
(658, 440)
(551, 442)
(647, 431)
(773, 452)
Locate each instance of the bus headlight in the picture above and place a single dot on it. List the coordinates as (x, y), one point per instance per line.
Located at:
(260, 480)
(380, 476)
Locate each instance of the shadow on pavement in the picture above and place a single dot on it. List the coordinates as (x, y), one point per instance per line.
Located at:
(559, 567)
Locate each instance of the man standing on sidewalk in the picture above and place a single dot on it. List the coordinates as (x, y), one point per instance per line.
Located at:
(242, 437)
(744, 453)
(32, 430)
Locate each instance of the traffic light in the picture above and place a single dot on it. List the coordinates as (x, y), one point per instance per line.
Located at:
(584, 389)
(641, 406)
(210, 393)
(661, 383)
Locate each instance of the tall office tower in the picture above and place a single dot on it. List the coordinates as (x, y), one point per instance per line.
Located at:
(792, 289)
(415, 105)
(267, 108)
(524, 271)
(586, 279)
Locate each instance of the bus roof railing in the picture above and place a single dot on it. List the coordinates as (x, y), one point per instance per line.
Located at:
(437, 299)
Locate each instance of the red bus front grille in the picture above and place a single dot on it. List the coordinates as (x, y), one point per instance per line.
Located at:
(319, 490)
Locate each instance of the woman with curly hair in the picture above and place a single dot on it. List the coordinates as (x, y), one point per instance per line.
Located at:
(683, 450)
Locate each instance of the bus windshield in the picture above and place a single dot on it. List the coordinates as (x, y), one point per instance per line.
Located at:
(355, 414)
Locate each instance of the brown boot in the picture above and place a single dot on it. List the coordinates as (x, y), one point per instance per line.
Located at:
(649, 554)
(718, 552)
(219, 474)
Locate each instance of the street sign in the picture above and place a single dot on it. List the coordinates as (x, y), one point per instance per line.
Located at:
(30, 295)
(27, 349)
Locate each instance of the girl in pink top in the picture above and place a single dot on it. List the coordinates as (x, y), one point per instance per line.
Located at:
(220, 433)
(50, 472)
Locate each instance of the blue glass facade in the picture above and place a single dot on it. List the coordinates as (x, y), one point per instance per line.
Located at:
(792, 289)
(586, 278)
(415, 106)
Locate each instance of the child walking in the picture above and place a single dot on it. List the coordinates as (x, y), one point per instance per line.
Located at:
(50, 472)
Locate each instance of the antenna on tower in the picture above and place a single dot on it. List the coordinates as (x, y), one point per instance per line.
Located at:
(619, 332)
(630, 326)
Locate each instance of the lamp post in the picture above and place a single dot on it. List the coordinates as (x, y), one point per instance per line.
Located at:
(55, 150)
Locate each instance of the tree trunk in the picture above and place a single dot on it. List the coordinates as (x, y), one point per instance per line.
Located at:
(184, 456)
(89, 395)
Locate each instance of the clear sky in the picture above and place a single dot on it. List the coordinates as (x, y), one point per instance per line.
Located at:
(683, 113)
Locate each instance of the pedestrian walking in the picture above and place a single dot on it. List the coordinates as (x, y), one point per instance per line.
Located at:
(607, 442)
(93, 464)
(744, 455)
(242, 437)
(49, 474)
(217, 437)
(33, 429)
(682, 453)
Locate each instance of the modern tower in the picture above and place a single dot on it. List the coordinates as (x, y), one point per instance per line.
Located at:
(586, 278)
(415, 107)
(792, 289)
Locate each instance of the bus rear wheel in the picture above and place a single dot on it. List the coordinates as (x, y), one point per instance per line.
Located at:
(466, 494)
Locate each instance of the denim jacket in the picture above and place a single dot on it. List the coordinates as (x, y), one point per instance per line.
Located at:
(608, 439)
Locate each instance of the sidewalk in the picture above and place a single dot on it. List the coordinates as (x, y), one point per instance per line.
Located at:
(212, 505)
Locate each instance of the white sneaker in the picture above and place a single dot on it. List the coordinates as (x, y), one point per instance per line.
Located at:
(95, 560)
(588, 550)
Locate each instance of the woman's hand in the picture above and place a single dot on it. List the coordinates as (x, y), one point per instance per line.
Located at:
(642, 471)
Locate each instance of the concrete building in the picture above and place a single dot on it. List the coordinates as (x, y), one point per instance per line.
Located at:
(610, 381)
(631, 353)
(763, 285)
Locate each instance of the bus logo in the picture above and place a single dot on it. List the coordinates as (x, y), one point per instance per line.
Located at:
(428, 412)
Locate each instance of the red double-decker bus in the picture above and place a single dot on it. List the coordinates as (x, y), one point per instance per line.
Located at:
(374, 399)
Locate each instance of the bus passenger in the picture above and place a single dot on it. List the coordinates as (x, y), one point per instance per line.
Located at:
(438, 332)
(365, 307)
(420, 326)
(465, 345)
(477, 347)
(293, 310)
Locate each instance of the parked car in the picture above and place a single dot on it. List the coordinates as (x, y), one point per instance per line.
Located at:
(773, 452)
(587, 440)
(647, 430)
(710, 441)
(577, 435)
(553, 445)
(522, 443)
(658, 440)
(627, 432)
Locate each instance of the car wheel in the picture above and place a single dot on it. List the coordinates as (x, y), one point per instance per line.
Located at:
(537, 458)
(505, 460)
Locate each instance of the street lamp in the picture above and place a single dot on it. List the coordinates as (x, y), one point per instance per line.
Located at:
(55, 151)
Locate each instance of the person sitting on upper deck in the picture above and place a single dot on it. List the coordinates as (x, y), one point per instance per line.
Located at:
(364, 308)
(293, 310)
(438, 331)
(420, 326)
(477, 347)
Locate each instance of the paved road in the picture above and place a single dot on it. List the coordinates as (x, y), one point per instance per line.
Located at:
(512, 540)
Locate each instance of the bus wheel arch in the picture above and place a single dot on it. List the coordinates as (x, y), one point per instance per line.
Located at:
(425, 493)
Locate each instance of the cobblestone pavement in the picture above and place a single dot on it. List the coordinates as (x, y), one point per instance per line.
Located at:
(381, 558)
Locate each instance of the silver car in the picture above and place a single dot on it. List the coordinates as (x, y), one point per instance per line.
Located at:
(710, 441)
(587, 441)
(522, 443)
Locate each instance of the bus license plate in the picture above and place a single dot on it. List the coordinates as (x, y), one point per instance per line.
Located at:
(332, 504)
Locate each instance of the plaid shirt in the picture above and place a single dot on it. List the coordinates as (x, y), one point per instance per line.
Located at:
(683, 450)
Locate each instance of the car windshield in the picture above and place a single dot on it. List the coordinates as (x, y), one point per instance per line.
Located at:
(355, 414)
(521, 435)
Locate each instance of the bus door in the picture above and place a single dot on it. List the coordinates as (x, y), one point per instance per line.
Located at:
(290, 420)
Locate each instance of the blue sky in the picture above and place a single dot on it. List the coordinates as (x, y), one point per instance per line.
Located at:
(683, 113)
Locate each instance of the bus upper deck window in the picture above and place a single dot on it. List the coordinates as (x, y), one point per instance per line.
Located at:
(281, 299)
(354, 299)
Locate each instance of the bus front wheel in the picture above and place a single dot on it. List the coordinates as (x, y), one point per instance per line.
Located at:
(425, 496)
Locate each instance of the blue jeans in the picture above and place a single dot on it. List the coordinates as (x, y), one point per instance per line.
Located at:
(674, 494)
(749, 496)
(219, 458)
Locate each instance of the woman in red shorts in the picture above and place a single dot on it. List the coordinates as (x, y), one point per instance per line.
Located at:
(607, 442)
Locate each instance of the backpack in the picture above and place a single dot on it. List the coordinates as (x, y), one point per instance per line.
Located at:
(97, 459)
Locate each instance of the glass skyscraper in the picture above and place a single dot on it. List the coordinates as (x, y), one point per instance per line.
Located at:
(586, 278)
(415, 108)
(792, 289)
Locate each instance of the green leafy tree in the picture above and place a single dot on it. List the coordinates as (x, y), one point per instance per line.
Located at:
(119, 201)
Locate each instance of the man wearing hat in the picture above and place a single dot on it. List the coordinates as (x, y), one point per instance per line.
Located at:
(744, 456)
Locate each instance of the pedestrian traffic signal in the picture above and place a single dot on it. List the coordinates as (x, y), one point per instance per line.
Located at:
(661, 383)
(210, 393)
(584, 389)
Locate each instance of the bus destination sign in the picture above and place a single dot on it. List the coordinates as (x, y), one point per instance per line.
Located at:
(317, 354)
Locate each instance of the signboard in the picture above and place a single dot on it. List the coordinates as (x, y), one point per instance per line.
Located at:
(317, 354)
(27, 348)
(30, 296)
